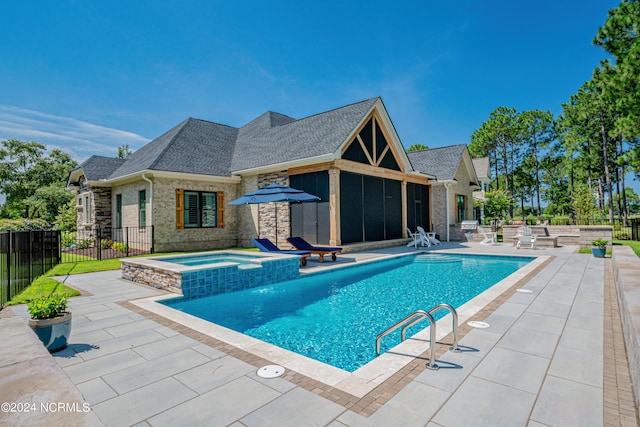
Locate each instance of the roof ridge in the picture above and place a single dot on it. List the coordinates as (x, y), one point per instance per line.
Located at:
(166, 148)
(336, 109)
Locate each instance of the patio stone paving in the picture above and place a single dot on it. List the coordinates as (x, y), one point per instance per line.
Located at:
(546, 359)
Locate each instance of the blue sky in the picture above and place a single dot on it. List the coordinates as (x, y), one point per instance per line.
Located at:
(89, 76)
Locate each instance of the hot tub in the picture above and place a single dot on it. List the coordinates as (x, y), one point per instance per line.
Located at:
(210, 273)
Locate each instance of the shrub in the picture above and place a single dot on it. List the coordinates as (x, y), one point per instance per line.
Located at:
(68, 239)
(560, 220)
(23, 224)
(599, 243)
(105, 244)
(84, 243)
(120, 247)
(48, 306)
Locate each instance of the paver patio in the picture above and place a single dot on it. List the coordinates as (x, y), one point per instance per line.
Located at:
(542, 361)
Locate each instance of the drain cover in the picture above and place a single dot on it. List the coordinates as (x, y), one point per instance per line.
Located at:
(476, 324)
(270, 371)
(524, 291)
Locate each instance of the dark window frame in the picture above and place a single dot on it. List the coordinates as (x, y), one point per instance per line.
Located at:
(202, 210)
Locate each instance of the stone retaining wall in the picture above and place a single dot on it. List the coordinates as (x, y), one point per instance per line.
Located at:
(626, 270)
(157, 278)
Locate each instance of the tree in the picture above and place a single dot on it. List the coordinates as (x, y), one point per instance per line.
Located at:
(500, 134)
(583, 204)
(538, 132)
(25, 168)
(47, 202)
(67, 218)
(496, 204)
(417, 147)
(123, 152)
(620, 37)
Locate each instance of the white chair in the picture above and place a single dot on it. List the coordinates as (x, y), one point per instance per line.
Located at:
(490, 238)
(526, 237)
(417, 239)
(429, 235)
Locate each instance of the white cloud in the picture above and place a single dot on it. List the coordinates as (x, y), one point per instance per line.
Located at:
(79, 139)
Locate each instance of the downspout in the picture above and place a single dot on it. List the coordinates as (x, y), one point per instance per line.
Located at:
(150, 203)
(446, 196)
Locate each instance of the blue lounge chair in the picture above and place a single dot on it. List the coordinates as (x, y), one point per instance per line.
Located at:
(303, 245)
(266, 245)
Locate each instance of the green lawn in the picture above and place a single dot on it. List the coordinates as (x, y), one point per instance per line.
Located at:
(45, 285)
(633, 245)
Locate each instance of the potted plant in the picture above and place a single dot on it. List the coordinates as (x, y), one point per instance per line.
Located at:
(50, 320)
(599, 247)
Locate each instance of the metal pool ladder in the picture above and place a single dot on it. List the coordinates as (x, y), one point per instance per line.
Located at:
(416, 317)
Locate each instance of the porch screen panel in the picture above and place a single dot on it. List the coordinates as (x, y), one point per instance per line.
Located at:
(392, 209)
(426, 203)
(418, 206)
(297, 219)
(351, 206)
(373, 208)
(324, 222)
(311, 220)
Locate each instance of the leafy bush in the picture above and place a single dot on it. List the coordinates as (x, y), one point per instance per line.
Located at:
(23, 224)
(120, 247)
(47, 307)
(105, 243)
(560, 220)
(68, 239)
(84, 243)
(599, 243)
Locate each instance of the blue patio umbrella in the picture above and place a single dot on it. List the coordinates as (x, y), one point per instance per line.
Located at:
(275, 193)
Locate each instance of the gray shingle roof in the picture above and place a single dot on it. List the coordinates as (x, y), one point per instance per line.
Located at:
(193, 146)
(442, 162)
(481, 165)
(264, 142)
(99, 167)
(201, 147)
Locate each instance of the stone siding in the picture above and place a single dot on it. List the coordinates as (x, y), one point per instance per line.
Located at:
(268, 222)
(99, 212)
(246, 215)
(169, 238)
(157, 278)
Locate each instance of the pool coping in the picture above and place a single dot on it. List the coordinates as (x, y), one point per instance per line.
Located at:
(362, 381)
(159, 263)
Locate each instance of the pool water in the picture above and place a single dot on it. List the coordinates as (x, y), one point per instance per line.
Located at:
(212, 259)
(334, 317)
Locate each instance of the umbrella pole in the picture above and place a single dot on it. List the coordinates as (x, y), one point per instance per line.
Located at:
(276, 205)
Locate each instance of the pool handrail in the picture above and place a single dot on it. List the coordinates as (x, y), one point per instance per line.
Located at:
(416, 317)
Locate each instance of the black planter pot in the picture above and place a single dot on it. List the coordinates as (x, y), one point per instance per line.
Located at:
(54, 333)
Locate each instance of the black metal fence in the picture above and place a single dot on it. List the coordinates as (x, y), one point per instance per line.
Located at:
(105, 243)
(25, 255)
(635, 229)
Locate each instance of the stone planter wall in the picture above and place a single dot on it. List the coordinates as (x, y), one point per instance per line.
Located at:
(626, 270)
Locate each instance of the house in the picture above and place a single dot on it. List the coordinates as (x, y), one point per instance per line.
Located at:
(179, 184)
(452, 190)
(483, 171)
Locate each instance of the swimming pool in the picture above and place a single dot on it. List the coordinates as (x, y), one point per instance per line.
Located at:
(334, 317)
